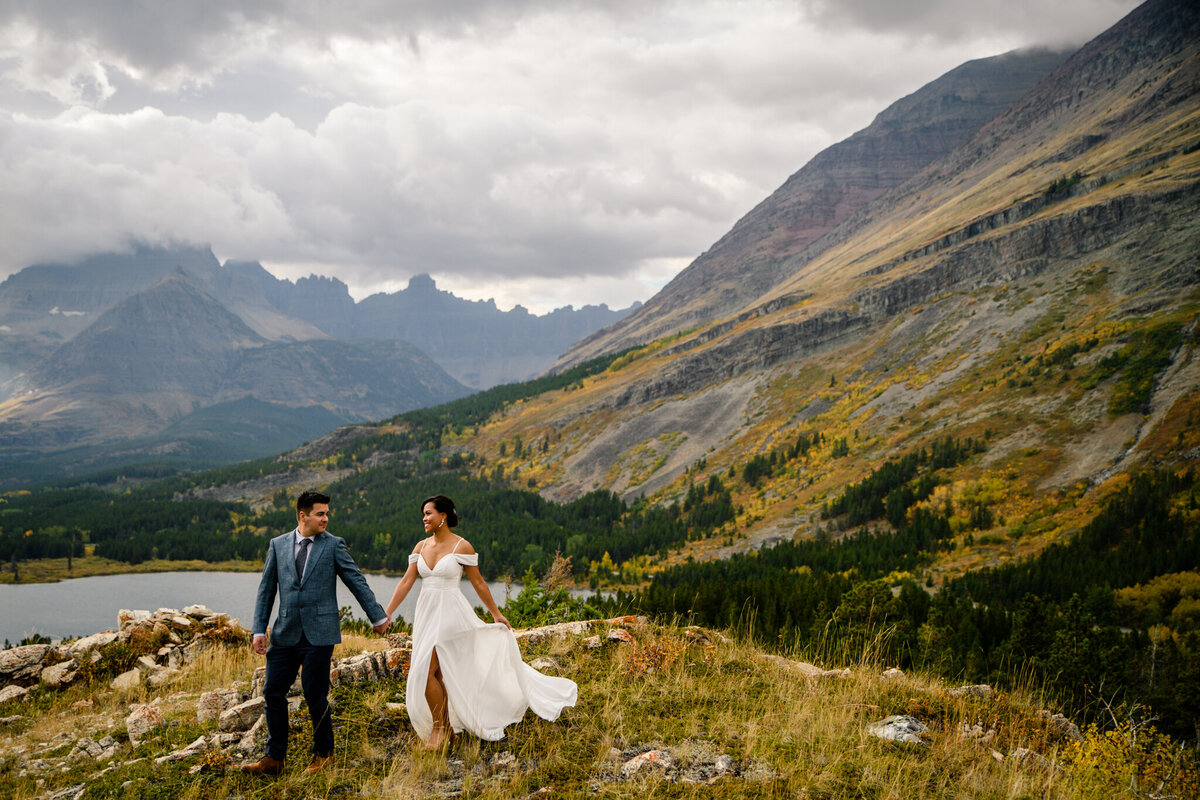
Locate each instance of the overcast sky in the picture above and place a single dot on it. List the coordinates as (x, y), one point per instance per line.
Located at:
(541, 152)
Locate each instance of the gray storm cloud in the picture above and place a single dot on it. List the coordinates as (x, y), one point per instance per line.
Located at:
(505, 146)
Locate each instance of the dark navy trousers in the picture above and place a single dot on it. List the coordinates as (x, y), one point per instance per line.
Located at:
(312, 662)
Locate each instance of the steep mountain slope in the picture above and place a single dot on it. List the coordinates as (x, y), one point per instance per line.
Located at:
(837, 182)
(1036, 288)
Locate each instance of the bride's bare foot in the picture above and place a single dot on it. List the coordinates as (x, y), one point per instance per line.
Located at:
(438, 740)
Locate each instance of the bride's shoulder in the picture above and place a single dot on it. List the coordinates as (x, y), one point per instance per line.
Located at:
(464, 548)
(418, 547)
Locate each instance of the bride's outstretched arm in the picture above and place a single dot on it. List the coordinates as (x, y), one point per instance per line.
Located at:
(485, 595)
(402, 589)
(481, 587)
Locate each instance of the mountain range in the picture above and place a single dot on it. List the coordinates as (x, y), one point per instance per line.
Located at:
(127, 350)
(1007, 255)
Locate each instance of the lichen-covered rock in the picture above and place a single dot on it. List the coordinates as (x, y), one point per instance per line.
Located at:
(195, 748)
(97, 641)
(619, 635)
(242, 716)
(12, 693)
(659, 761)
(161, 676)
(127, 618)
(212, 705)
(61, 674)
(1061, 726)
(199, 611)
(141, 721)
(553, 631)
(249, 741)
(806, 669)
(981, 690)
(900, 729)
(87, 747)
(23, 663)
(396, 661)
(355, 669)
(1027, 758)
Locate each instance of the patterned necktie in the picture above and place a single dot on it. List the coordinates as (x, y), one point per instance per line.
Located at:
(302, 557)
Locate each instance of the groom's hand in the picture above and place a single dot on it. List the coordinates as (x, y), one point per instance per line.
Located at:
(259, 644)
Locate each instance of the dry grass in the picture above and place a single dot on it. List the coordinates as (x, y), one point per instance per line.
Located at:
(787, 735)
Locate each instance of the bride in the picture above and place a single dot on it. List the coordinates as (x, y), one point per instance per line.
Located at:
(464, 674)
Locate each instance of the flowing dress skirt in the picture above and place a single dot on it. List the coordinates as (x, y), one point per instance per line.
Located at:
(488, 685)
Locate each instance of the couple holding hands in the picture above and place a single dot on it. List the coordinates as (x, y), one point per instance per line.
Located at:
(464, 673)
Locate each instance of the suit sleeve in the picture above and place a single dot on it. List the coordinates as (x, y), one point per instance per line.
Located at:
(266, 592)
(350, 574)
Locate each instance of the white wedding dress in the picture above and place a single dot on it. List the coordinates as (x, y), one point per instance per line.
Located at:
(488, 685)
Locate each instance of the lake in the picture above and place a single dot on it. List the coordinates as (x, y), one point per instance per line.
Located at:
(83, 606)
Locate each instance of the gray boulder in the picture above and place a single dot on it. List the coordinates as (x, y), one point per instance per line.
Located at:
(61, 674)
(242, 716)
(23, 663)
(85, 646)
(12, 693)
(900, 729)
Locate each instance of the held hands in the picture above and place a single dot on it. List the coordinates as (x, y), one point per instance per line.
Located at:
(382, 627)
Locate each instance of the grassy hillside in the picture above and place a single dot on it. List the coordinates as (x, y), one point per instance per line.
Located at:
(719, 717)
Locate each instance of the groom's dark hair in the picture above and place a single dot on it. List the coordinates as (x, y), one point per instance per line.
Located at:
(308, 499)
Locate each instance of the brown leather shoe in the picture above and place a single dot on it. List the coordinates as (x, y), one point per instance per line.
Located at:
(264, 766)
(318, 763)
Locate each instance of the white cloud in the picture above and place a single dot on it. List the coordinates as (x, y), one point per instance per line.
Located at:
(554, 151)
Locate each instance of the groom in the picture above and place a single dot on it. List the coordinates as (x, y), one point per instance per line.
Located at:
(302, 566)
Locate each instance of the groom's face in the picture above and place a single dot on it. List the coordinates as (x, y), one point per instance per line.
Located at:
(313, 521)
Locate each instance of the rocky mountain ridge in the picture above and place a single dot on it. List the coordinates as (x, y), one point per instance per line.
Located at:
(168, 353)
(171, 372)
(45, 305)
(759, 250)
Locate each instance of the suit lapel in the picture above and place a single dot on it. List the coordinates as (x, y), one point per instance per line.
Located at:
(287, 556)
(314, 553)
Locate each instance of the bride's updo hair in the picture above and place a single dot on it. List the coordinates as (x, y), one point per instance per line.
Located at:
(444, 505)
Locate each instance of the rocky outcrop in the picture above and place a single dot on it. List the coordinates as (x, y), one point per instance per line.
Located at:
(23, 665)
(167, 638)
(756, 349)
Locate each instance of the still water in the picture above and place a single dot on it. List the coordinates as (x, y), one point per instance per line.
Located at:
(83, 606)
